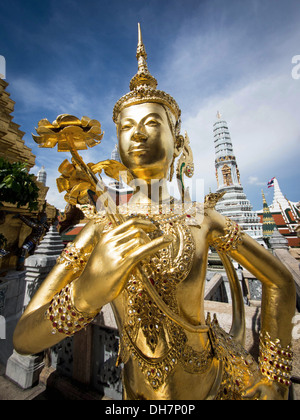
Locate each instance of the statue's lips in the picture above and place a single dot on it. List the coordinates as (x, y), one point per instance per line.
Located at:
(138, 149)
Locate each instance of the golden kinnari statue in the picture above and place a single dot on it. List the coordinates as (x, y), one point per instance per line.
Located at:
(149, 261)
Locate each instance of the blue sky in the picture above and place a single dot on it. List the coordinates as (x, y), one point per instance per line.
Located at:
(234, 56)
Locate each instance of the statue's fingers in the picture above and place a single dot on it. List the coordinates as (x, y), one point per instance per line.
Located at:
(144, 224)
(130, 246)
(131, 234)
(252, 393)
(150, 248)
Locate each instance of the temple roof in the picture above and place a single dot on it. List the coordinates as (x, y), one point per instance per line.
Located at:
(12, 145)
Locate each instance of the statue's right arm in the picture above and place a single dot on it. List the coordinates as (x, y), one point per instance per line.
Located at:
(113, 256)
(34, 332)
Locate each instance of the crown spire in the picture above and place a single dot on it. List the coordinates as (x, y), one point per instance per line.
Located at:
(143, 76)
(143, 87)
(141, 54)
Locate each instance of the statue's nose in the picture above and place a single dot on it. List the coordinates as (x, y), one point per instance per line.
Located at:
(139, 134)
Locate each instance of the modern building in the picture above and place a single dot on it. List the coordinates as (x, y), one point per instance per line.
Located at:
(235, 203)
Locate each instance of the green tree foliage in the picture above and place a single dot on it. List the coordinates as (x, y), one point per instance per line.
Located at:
(17, 186)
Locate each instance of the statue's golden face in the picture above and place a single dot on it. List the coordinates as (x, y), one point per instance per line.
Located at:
(146, 142)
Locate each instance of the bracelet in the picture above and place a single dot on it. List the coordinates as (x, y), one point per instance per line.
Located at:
(231, 239)
(73, 258)
(63, 315)
(275, 361)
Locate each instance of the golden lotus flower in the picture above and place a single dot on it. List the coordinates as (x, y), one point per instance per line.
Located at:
(69, 133)
(77, 183)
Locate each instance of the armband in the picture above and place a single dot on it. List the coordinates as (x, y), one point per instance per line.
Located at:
(232, 238)
(275, 361)
(73, 258)
(63, 315)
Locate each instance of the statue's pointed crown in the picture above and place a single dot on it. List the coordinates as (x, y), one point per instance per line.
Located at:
(143, 87)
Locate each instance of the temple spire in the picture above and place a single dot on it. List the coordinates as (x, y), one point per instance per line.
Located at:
(268, 221)
(278, 196)
(234, 204)
(140, 38)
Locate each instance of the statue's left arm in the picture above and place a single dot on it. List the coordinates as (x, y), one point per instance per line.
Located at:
(279, 294)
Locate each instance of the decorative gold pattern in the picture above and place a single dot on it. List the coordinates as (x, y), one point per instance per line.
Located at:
(156, 371)
(166, 270)
(232, 238)
(274, 360)
(239, 368)
(63, 315)
(185, 165)
(227, 176)
(225, 158)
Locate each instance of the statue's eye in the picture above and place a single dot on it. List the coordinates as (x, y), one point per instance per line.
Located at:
(152, 123)
(126, 127)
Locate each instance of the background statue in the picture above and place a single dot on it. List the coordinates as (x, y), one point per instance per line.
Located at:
(39, 227)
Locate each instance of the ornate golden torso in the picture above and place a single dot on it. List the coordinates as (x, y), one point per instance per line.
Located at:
(156, 346)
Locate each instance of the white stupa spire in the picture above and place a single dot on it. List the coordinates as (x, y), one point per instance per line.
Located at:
(279, 201)
(235, 203)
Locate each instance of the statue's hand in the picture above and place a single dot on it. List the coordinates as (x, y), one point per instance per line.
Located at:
(266, 390)
(112, 260)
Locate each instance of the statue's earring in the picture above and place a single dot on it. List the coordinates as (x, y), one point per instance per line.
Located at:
(179, 142)
(171, 170)
(185, 166)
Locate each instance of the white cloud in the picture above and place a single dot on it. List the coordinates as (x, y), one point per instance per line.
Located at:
(253, 180)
